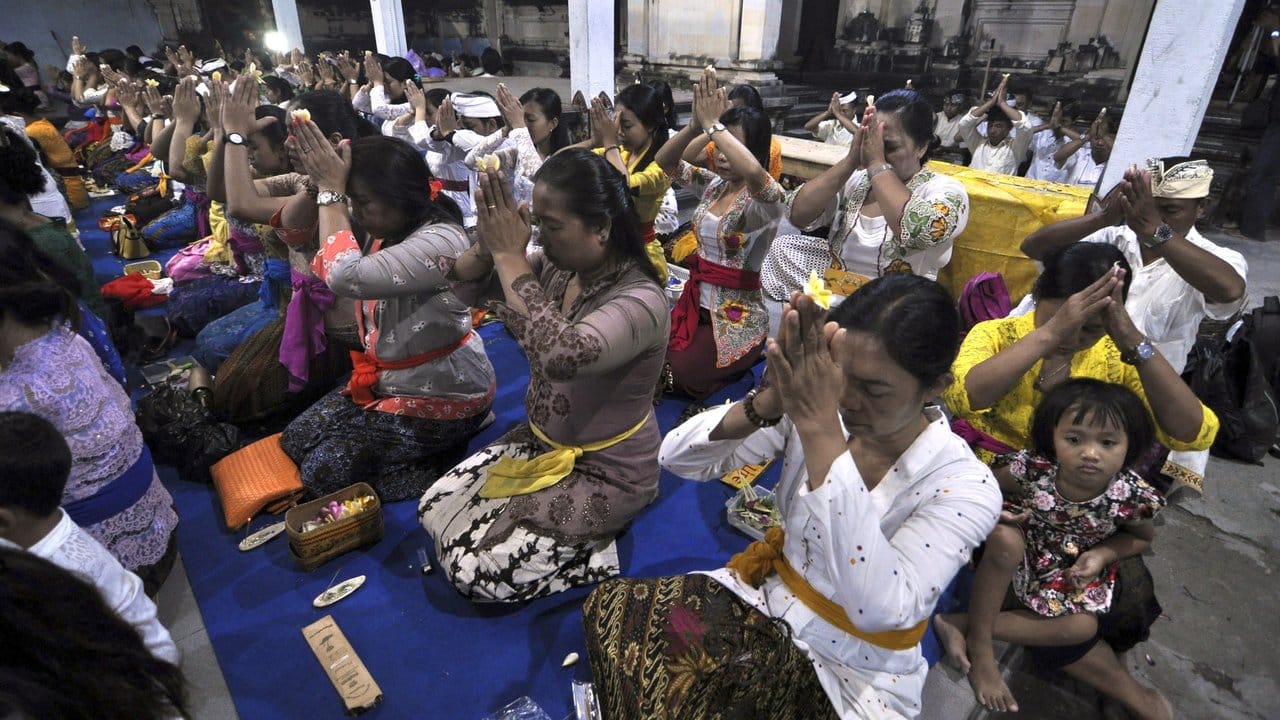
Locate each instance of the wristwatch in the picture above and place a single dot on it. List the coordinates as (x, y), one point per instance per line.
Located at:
(1162, 235)
(330, 197)
(711, 131)
(1140, 354)
(235, 139)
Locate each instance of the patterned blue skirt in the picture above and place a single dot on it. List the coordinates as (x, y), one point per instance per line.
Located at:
(216, 341)
(195, 304)
(174, 229)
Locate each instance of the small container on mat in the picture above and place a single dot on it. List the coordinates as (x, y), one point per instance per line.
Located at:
(315, 547)
(150, 269)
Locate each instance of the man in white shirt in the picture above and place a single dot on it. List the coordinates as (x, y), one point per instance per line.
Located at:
(33, 474)
(1049, 138)
(1084, 157)
(838, 123)
(462, 122)
(1000, 150)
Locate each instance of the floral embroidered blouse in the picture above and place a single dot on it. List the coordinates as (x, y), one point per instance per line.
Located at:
(741, 240)
(517, 155)
(933, 218)
(404, 306)
(1009, 419)
(1059, 531)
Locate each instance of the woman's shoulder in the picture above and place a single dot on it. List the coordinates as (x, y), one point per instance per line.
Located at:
(939, 183)
(441, 235)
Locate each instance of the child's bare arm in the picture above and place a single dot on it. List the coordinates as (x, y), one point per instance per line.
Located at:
(1132, 539)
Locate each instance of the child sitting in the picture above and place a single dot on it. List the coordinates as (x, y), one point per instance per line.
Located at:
(1080, 510)
(33, 472)
(1000, 150)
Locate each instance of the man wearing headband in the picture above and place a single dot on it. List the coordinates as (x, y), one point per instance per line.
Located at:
(838, 123)
(946, 123)
(462, 122)
(1179, 277)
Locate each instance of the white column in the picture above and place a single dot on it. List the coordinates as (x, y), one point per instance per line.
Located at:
(760, 29)
(591, 47)
(388, 27)
(1186, 44)
(287, 24)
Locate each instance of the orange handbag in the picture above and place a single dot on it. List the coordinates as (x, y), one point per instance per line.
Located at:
(255, 478)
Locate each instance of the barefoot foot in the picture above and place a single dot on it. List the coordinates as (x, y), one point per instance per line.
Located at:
(988, 686)
(953, 643)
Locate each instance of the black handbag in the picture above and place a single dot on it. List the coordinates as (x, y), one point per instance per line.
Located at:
(183, 433)
(1229, 378)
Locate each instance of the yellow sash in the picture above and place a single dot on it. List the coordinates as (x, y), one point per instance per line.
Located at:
(512, 476)
(764, 557)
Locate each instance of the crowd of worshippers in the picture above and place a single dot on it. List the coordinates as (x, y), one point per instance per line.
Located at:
(345, 222)
(1001, 134)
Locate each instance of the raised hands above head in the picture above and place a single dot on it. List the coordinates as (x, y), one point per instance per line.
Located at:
(157, 104)
(709, 100)
(349, 68)
(446, 119)
(604, 128)
(373, 70)
(239, 104)
(77, 47)
(327, 167)
(186, 104)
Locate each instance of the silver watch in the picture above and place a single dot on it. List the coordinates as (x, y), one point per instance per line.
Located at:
(1162, 235)
(717, 127)
(330, 197)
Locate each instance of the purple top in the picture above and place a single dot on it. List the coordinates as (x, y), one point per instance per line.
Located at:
(59, 378)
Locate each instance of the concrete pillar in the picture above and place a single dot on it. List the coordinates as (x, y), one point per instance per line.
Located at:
(638, 29)
(287, 23)
(1185, 47)
(388, 27)
(591, 47)
(493, 23)
(759, 29)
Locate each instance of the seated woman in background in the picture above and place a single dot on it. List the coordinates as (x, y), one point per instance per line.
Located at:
(62, 162)
(887, 212)
(67, 654)
(530, 134)
(46, 369)
(668, 219)
(1079, 329)
(47, 200)
(422, 386)
(383, 96)
(880, 506)
(702, 151)
(719, 324)
(538, 510)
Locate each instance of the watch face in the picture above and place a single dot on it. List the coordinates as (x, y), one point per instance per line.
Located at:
(1146, 350)
(235, 138)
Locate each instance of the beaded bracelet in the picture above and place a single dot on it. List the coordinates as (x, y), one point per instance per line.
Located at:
(749, 409)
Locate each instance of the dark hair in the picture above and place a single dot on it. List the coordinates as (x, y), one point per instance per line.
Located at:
(748, 96)
(67, 654)
(915, 116)
(491, 61)
(647, 106)
(431, 61)
(238, 66)
(548, 101)
(20, 176)
(332, 113)
(436, 96)
(997, 116)
(399, 69)
(280, 85)
(32, 286)
(21, 50)
(1097, 403)
(398, 172)
(1072, 268)
(115, 59)
(134, 51)
(19, 99)
(595, 191)
(277, 132)
(755, 128)
(663, 88)
(913, 317)
(35, 464)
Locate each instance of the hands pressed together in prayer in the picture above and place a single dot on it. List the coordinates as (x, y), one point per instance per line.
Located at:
(802, 363)
(502, 226)
(709, 100)
(1101, 300)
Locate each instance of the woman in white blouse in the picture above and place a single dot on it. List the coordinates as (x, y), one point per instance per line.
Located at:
(887, 212)
(881, 505)
(530, 134)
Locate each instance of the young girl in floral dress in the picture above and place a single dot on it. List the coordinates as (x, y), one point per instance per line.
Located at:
(1078, 509)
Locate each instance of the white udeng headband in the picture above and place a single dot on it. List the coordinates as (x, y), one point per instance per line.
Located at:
(846, 99)
(1186, 180)
(475, 106)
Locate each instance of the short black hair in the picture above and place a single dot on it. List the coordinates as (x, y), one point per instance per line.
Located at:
(1072, 268)
(35, 464)
(756, 130)
(1097, 403)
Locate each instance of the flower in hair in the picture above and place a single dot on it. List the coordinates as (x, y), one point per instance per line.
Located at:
(816, 289)
(436, 186)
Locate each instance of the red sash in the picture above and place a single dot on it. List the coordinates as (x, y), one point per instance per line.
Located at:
(647, 234)
(684, 317)
(365, 367)
(455, 185)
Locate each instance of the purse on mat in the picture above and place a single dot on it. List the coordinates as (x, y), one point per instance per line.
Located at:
(255, 478)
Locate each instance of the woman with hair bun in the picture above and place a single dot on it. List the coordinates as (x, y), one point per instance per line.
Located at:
(538, 510)
(887, 212)
(421, 384)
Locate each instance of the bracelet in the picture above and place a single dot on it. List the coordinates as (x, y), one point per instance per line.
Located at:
(749, 409)
(607, 148)
(873, 172)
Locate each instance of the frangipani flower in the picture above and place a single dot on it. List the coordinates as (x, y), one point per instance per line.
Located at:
(815, 288)
(301, 115)
(152, 82)
(488, 163)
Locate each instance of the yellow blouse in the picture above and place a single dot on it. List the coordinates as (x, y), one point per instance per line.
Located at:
(1009, 419)
(648, 184)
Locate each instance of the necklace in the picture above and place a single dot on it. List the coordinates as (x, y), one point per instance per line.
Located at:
(1045, 377)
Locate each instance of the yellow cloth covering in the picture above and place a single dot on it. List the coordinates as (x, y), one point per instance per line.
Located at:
(511, 476)
(219, 235)
(1004, 211)
(764, 557)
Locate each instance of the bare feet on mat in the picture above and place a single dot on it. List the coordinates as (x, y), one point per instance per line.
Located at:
(953, 643)
(988, 686)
